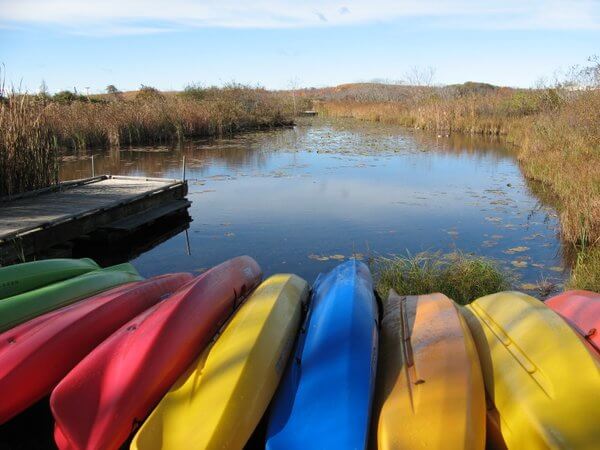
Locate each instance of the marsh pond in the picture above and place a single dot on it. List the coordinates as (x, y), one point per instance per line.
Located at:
(303, 199)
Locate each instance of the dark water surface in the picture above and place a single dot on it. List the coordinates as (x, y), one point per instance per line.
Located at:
(300, 200)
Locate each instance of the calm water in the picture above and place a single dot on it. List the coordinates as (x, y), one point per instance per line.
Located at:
(301, 200)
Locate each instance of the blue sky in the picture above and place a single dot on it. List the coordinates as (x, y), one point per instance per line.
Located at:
(168, 44)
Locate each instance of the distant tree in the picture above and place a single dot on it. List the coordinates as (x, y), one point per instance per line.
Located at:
(68, 97)
(114, 94)
(148, 93)
(418, 76)
(421, 80)
(579, 77)
(43, 89)
(195, 92)
(43, 92)
(591, 73)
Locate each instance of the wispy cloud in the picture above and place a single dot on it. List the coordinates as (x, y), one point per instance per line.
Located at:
(153, 16)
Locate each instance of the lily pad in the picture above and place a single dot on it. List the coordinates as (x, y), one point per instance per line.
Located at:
(514, 250)
(519, 264)
(493, 219)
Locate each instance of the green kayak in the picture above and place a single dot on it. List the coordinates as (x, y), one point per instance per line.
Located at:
(22, 307)
(26, 277)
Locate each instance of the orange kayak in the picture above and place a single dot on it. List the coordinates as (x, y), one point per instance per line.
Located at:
(582, 310)
(430, 391)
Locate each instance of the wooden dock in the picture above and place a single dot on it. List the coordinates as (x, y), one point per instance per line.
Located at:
(112, 206)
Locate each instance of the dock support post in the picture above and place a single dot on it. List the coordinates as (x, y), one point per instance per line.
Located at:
(183, 169)
(93, 169)
(188, 250)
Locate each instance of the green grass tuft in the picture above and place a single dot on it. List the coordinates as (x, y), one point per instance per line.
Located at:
(586, 272)
(461, 277)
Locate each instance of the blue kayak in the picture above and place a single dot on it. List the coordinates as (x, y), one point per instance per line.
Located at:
(324, 399)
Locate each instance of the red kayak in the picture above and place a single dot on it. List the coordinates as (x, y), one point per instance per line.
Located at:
(108, 394)
(36, 355)
(582, 310)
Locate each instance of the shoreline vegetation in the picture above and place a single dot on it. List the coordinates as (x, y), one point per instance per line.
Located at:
(33, 128)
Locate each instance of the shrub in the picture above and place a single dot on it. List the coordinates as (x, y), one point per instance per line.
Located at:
(68, 97)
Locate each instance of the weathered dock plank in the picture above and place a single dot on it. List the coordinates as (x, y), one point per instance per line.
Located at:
(50, 216)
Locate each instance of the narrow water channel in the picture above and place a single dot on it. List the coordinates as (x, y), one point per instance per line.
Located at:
(302, 199)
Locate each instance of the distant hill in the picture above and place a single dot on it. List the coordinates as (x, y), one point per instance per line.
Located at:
(382, 92)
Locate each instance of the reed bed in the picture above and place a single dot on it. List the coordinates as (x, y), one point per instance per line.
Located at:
(561, 148)
(155, 118)
(34, 127)
(27, 146)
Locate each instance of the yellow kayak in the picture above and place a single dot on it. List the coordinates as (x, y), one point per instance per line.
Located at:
(430, 390)
(220, 399)
(543, 381)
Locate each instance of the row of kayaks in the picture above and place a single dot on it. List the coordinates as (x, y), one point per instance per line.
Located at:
(183, 362)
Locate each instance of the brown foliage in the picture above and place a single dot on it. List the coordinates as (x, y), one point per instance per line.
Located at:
(27, 146)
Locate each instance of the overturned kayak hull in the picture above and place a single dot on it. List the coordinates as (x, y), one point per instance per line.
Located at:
(582, 310)
(36, 355)
(111, 391)
(539, 375)
(26, 277)
(210, 407)
(324, 400)
(430, 390)
(28, 305)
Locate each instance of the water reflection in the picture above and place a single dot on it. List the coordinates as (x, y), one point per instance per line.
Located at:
(133, 245)
(302, 199)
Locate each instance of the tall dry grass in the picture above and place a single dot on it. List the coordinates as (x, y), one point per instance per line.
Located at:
(27, 145)
(492, 111)
(34, 127)
(561, 148)
(153, 118)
